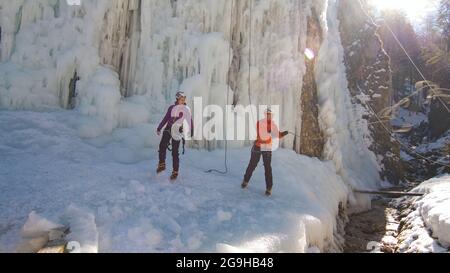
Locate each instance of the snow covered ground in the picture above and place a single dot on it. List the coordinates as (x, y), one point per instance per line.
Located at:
(438, 144)
(418, 139)
(428, 223)
(106, 190)
(405, 118)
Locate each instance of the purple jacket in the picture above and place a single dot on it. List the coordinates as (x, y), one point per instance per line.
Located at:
(170, 121)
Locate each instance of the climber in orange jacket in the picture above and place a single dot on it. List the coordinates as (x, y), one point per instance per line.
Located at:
(266, 131)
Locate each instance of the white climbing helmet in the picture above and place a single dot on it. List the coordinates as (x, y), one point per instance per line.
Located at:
(180, 95)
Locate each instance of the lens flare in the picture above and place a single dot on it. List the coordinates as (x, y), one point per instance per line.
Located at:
(310, 55)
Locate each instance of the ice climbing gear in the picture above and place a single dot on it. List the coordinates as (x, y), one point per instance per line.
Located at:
(183, 143)
(178, 136)
(174, 175)
(73, 90)
(180, 95)
(177, 131)
(230, 52)
(161, 167)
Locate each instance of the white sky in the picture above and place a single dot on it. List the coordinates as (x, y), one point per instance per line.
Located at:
(415, 9)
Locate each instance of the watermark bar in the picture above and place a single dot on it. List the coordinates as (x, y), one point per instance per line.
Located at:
(224, 123)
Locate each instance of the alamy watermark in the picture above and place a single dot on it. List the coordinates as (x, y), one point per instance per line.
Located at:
(229, 122)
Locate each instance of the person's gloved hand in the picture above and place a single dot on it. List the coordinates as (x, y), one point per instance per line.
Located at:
(285, 133)
(181, 130)
(158, 133)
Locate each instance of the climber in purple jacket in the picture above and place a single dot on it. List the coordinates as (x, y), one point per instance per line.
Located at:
(173, 121)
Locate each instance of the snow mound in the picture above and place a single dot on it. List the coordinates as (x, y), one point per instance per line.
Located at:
(36, 233)
(224, 216)
(37, 225)
(264, 244)
(83, 229)
(434, 207)
(100, 100)
(145, 235)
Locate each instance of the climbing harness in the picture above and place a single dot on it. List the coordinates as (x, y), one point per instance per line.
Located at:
(176, 137)
(183, 142)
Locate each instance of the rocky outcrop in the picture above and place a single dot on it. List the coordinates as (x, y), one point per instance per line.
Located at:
(439, 116)
(370, 82)
(237, 47)
(311, 137)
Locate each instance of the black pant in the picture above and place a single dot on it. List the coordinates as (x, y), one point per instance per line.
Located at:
(163, 146)
(254, 160)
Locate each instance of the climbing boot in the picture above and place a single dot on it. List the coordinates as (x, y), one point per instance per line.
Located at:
(269, 192)
(174, 175)
(161, 167)
(244, 185)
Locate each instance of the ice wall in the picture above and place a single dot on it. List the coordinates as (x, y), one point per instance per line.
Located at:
(192, 43)
(120, 39)
(370, 82)
(345, 133)
(180, 44)
(43, 43)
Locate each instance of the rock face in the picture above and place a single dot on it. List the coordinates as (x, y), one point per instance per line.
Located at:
(311, 137)
(370, 82)
(439, 116)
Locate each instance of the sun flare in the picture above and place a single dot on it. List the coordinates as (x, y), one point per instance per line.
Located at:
(413, 8)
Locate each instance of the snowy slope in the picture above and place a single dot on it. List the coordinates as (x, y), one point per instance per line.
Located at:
(406, 118)
(106, 190)
(434, 207)
(419, 141)
(428, 223)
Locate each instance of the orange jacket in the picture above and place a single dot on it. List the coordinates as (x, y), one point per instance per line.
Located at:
(266, 131)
